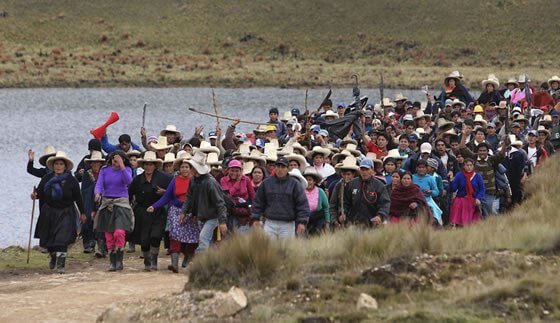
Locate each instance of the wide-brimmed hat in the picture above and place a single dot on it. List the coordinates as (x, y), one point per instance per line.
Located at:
(299, 149)
(511, 81)
(420, 114)
(313, 173)
(514, 142)
(169, 158)
(522, 78)
(302, 162)
(352, 148)
(348, 163)
(286, 150)
(134, 152)
(502, 105)
(444, 124)
(373, 156)
(400, 97)
(330, 113)
(451, 132)
(260, 129)
(555, 78)
(459, 102)
(394, 153)
(198, 162)
(521, 117)
(60, 155)
(318, 150)
(182, 156)
(161, 144)
(248, 167)
(47, 152)
(207, 147)
(546, 119)
(96, 156)
(212, 159)
(453, 75)
(150, 157)
(542, 129)
(337, 158)
(170, 128)
(420, 132)
(287, 116)
(492, 79)
(480, 119)
(243, 149)
(255, 155)
(348, 140)
(270, 152)
(387, 103)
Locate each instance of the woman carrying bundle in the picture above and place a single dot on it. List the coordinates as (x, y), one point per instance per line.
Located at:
(407, 200)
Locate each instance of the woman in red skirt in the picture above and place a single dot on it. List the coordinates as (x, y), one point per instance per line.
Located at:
(470, 192)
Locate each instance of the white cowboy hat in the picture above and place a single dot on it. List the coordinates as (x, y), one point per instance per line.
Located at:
(182, 156)
(161, 144)
(394, 153)
(502, 105)
(514, 142)
(170, 128)
(420, 131)
(337, 158)
(546, 119)
(47, 152)
(60, 155)
(331, 113)
(212, 159)
(286, 150)
(332, 148)
(400, 97)
(522, 78)
(454, 75)
(521, 117)
(444, 124)
(480, 119)
(420, 114)
(206, 148)
(492, 79)
(255, 155)
(299, 149)
(248, 167)
(260, 129)
(313, 173)
(134, 153)
(373, 157)
(542, 129)
(299, 159)
(296, 173)
(96, 156)
(457, 101)
(287, 116)
(150, 157)
(554, 78)
(450, 132)
(270, 152)
(243, 149)
(353, 149)
(169, 158)
(318, 150)
(348, 163)
(387, 103)
(512, 81)
(348, 140)
(198, 162)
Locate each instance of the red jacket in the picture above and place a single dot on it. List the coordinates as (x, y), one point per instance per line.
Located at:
(542, 98)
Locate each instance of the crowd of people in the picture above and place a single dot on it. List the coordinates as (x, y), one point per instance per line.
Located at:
(448, 162)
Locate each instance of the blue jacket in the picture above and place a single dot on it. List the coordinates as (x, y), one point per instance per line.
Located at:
(109, 148)
(459, 185)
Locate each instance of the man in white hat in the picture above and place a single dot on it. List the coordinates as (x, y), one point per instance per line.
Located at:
(205, 202)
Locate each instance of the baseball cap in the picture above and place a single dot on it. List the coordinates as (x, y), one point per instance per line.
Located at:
(295, 112)
(315, 128)
(533, 132)
(282, 161)
(212, 135)
(515, 124)
(369, 114)
(425, 148)
(235, 163)
(448, 102)
(323, 133)
(413, 137)
(554, 113)
(341, 105)
(366, 163)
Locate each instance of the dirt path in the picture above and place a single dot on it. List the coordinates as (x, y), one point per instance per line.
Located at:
(84, 292)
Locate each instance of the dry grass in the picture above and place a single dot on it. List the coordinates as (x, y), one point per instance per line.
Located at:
(270, 43)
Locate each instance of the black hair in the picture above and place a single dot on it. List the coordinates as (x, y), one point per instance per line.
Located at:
(124, 138)
(259, 167)
(389, 160)
(544, 86)
(327, 103)
(468, 160)
(469, 122)
(455, 113)
(480, 145)
(480, 130)
(194, 142)
(439, 140)
(422, 162)
(408, 123)
(273, 110)
(384, 135)
(94, 144)
(404, 136)
(123, 156)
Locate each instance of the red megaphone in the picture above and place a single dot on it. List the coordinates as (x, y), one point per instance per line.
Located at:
(100, 131)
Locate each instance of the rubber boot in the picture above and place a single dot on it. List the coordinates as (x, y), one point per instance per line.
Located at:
(101, 249)
(147, 261)
(185, 261)
(131, 248)
(174, 267)
(52, 263)
(60, 262)
(120, 256)
(154, 256)
(112, 260)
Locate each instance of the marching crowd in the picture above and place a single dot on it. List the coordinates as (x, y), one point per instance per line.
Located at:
(450, 161)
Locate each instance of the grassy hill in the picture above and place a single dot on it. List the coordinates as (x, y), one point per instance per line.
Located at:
(282, 43)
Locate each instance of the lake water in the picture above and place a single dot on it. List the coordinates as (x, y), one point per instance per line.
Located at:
(33, 118)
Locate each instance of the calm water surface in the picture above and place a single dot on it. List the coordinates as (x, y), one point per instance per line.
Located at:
(33, 118)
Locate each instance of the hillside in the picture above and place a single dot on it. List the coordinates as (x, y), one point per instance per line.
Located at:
(272, 43)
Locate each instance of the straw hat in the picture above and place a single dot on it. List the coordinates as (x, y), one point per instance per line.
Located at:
(287, 116)
(349, 163)
(542, 129)
(451, 132)
(255, 155)
(182, 156)
(459, 102)
(420, 132)
(302, 162)
(96, 156)
(521, 117)
(212, 159)
(207, 147)
(330, 113)
(502, 105)
(332, 148)
(394, 153)
(47, 152)
(169, 158)
(170, 128)
(387, 103)
(373, 157)
(318, 150)
(198, 162)
(444, 124)
(60, 155)
(546, 119)
(161, 144)
(555, 78)
(512, 81)
(299, 149)
(243, 149)
(296, 173)
(134, 153)
(260, 129)
(454, 75)
(514, 142)
(248, 167)
(150, 157)
(480, 119)
(353, 149)
(400, 97)
(522, 78)
(492, 79)
(348, 140)
(286, 150)
(420, 114)
(313, 173)
(270, 152)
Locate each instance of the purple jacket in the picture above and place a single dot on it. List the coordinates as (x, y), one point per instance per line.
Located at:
(113, 183)
(169, 197)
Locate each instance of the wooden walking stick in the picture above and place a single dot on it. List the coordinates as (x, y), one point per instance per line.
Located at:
(215, 109)
(31, 224)
(144, 114)
(226, 118)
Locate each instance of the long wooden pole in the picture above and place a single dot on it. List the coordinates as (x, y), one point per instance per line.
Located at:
(31, 225)
(222, 117)
(215, 109)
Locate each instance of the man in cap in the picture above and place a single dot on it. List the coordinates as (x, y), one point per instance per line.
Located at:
(281, 129)
(366, 200)
(424, 154)
(536, 153)
(282, 203)
(555, 130)
(340, 109)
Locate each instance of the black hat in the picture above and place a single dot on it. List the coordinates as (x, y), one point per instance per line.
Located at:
(94, 144)
(295, 112)
(282, 161)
